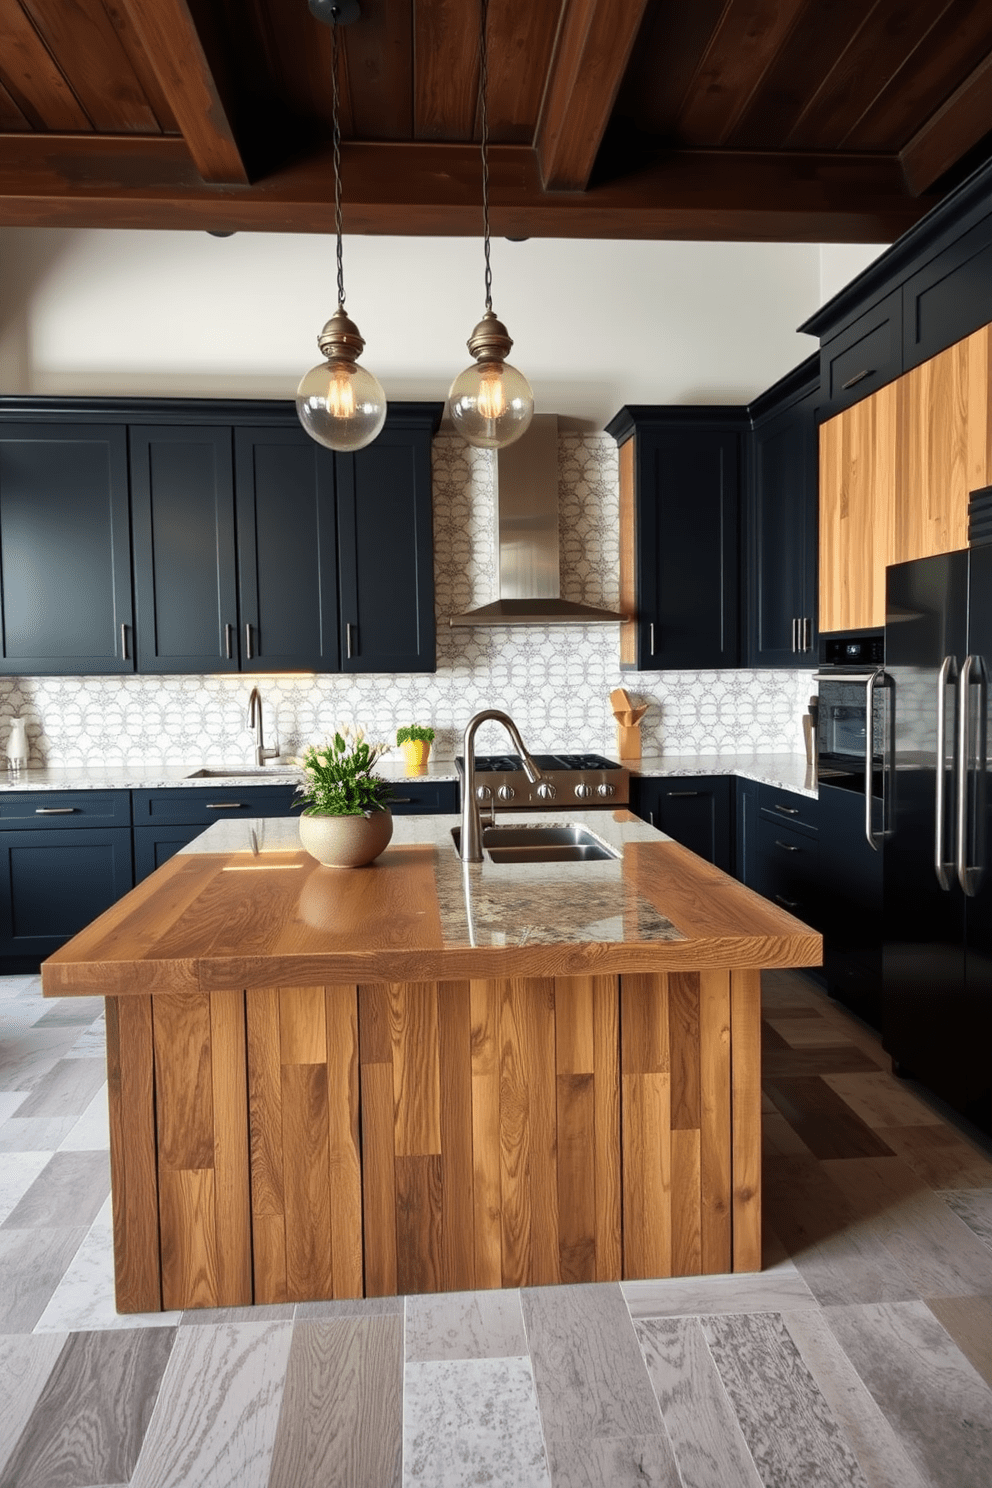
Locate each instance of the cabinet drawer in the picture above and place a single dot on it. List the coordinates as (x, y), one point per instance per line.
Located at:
(40, 809)
(216, 803)
(865, 356)
(788, 808)
(424, 796)
(950, 297)
(788, 868)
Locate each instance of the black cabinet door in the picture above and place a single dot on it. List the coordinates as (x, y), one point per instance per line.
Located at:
(54, 882)
(688, 497)
(65, 549)
(154, 846)
(781, 581)
(287, 558)
(386, 546)
(182, 492)
(695, 810)
(424, 798)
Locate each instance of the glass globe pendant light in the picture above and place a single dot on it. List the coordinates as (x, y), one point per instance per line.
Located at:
(339, 402)
(490, 403)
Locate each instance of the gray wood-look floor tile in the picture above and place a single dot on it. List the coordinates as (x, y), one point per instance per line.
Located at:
(969, 1322)
(66, 1011)
(932, 1246)
(66, 1090)
(32, 1263)
(974, 1206)
(9, 1102)
(841, 1256)
(826, 1124)
(882, 1100)
(939, 1406)
(465, 1325)
(804, 1032)
(341, 1421)
(26, 1361)
(781, 1064)
(35, 1133)
(69, 1191)
(348, 1307)
(591, 1378)
(201, 1317)
(615, 1462)
(709, 1448)
(470, 1421)
(28, 1057)
(940, 1156)
(18, 1171)
(791, 1432)
(91, 1043)
(215, 1418)
(772, 1290)
(91, 1417)
(881, 1456)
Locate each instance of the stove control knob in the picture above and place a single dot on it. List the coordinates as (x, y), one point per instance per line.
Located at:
(605, 789)
(483, 793)
(546, 791)
(506, 793)
(583, 790)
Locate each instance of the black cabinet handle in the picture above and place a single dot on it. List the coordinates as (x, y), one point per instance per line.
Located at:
(683, 793)
(858, 377)
(229, 641)
(248, 650)
(223, 805)
(787, 810)
(347, 640)
(123, 641)
(651, 638)
(54, 810)
(787, 903)
(787, 846)
(401, 800)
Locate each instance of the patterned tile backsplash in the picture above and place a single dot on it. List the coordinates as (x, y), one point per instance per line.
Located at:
(554, 680)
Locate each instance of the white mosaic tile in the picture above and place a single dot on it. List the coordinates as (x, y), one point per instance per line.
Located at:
(554, 680)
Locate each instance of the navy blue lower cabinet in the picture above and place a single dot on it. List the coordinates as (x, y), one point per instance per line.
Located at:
(694, 809)
(53, 882)
(201, 807)
(424, 797)
(154, 846)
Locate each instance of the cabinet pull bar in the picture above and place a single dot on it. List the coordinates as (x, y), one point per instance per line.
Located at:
(806, 633)
(401, 800)
(795, 628)
(123, 641)
(858, 377)
(651, 638)
(223, 805)
(788, 903)
(786, 846)
(650, 818)
(54, 810)
(229, 641)
(248, 651)
(683, 793)
(787, 810)
(347, 640)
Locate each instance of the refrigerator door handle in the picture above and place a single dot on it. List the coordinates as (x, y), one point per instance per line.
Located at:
(970, 874)
(871, 681)
(942, 867)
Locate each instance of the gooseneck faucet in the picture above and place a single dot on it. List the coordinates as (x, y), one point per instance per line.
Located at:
(471, 833)
(255, 721)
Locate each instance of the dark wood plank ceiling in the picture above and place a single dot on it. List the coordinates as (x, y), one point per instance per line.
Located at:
(799, 120)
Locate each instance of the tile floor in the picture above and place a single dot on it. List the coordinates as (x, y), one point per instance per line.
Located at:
(861, 1355)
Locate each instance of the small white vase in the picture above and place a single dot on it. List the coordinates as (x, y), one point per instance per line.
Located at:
(346, 841)
(17, 745)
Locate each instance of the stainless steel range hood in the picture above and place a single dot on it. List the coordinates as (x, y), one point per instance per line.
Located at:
(526, 478)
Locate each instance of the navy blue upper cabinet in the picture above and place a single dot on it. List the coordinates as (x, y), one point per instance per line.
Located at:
(65, 549)
(781, 525)
(185, 587)
(287, 552)
(680, 483)
(386, 546)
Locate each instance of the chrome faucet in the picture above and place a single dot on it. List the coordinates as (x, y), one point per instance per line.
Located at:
(471, 833)
(255, 721)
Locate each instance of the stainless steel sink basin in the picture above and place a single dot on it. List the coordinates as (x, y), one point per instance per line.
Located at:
(540, 844)
(277, 772)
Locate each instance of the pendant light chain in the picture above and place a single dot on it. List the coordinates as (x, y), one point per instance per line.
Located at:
(483, 95)
(337, 159)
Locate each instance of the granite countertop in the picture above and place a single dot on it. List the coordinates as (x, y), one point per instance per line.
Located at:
(787, 771)
(244, 906)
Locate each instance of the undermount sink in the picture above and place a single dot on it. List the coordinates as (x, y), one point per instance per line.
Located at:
(273, 772)
(540, 844)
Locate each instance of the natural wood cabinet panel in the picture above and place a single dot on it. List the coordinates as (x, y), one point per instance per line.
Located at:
(895, 474)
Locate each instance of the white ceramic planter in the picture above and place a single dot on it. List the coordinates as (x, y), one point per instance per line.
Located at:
(346, 841)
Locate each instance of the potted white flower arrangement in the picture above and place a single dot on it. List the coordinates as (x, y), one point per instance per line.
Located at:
(347, 821)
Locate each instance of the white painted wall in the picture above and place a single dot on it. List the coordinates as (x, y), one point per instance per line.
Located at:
(596, 324)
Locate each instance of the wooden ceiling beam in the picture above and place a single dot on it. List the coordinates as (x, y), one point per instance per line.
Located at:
(950, 133)
(172, 44)
(433, 190)
(595, 39)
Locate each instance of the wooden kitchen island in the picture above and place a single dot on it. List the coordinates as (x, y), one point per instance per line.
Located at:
(428, 1076)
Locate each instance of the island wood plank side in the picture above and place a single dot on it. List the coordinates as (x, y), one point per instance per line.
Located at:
(133, 1156)
(715, 1151)
(305, 1162)
(745, 1084)
(646, 1106)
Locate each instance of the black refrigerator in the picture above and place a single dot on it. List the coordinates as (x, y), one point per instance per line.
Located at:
(937, 929)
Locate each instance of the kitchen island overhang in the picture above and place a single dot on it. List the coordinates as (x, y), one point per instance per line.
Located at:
(426, 1075)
